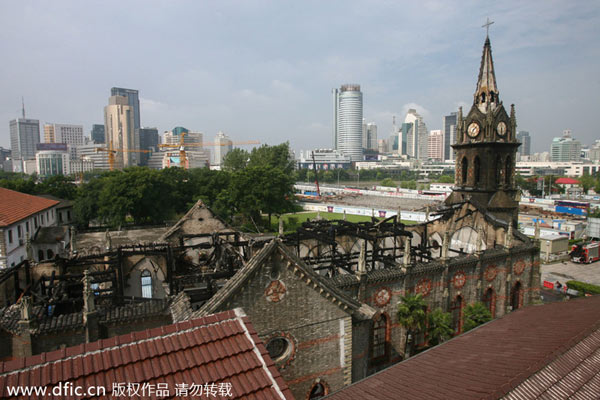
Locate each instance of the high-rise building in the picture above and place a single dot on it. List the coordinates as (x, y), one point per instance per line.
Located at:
(416, 138)
(369, 133)
(120, 132)
(406, 131)
(435, 145)
(449, 124)
(348, 115)
(223, 145)
(565, 148)
(174, 136)
(133, 100)
(97, 134)
(24, 136)
(71, 135)
(148, 141)
(525, 139)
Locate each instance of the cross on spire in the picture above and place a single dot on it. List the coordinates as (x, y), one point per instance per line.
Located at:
(487, 26)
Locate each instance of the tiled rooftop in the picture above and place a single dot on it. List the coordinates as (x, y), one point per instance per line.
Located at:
(551, 350)
(15, 206)
(219, 348)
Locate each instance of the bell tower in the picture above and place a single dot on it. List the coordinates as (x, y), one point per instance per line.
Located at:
(486, 148)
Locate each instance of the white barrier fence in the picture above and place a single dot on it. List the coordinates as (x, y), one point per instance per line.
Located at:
(376, 212)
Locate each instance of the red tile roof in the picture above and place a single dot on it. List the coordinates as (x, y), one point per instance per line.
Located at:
(220, 348)
(15, 206)
(567, 181)
(549, 350)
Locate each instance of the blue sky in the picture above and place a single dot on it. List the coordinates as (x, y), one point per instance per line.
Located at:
(264, 70)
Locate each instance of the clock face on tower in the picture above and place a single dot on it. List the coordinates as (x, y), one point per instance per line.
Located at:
(501, 128)
(473, 129)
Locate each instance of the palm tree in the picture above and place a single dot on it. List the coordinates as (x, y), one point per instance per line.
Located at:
(412, 314)
(475, 315)
(439, 326)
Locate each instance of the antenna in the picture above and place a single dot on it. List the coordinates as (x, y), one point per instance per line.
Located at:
(23, 106)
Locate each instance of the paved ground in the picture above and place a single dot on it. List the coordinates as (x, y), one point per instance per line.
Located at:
(568, 270)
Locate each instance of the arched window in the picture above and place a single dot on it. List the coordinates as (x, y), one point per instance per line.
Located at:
(464, 170)
(318, 390)
(50, 254)
(477, 170)
(516, 296)
(507, 174)
(492, 97)
(457, 314)
(379, 338)
(40, 255)
(489, 299)
(146, 284)
(483, 97)
(498, 171)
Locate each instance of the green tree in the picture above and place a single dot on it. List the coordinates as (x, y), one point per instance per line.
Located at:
(587, 182)
(389, 182)
(278, 156)
(236, 160)
(439, 326)
(136, 192)
(412, 315)
(59, 186)
(475, 315)
(445, 179)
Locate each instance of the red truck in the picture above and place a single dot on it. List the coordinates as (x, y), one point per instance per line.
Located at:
(585, 253)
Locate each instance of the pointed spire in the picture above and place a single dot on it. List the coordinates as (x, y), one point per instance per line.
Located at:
(23, 106)
(486, 94)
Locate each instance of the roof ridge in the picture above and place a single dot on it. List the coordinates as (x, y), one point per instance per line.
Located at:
(130, 340)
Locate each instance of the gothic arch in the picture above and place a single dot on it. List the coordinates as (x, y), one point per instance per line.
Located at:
(498, 171)
(516, 296)
(489, 299)
(435, 243)
(477, 170)
(380, 337)
(456, 309)
(464, 169)
(508, 173)
(465, 239)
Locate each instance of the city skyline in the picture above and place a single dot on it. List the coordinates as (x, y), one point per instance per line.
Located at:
(264, 71)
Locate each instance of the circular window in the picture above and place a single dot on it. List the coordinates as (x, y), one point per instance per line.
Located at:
(279, 348)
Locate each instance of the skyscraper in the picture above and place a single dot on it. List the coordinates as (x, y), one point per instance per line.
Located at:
(24, 136)
(449, 124)
(369, 133)
(565, 148)
(63, 133)
(348, 115)
(132, 99)
(98, 134)
(223, 145)
(416, 139)
(435, 145)
(525, 139)
(148, 141)
(120, 132)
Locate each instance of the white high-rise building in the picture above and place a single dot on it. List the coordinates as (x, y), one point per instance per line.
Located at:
(223, 145)
(435, 145)
(369, 136)
(120, 131)
(416, 141)
(348, 116)
(24, 137)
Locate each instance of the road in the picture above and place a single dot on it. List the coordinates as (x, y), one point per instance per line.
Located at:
(567, 270)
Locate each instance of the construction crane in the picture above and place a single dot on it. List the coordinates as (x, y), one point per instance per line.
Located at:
(182, 145)
(111, 154)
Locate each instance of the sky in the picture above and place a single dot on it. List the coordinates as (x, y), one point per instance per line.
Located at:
(264, 70)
